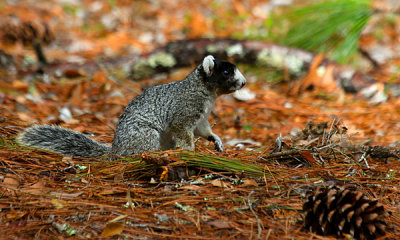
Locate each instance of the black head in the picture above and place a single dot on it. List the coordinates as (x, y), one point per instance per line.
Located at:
(222, 76)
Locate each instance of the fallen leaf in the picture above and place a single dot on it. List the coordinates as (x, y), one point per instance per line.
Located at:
(77, 94)
(20, 85)
(100, 77)
(20, 99)
(66, 195)
(14, 215)
(57, 203)
(219, 183)
(249, 182)
(73, 73)
(24, 117)
(68, 160)
(318, 76)
(219, 223)
(36, 189)
(309, 157)
(190, 187)
(11, 180)
(328, 82)
(112, 228)
(110, 192)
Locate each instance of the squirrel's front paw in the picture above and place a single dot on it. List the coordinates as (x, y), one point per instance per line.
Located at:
(219, 146)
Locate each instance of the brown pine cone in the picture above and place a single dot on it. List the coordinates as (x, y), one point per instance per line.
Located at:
(340, 211)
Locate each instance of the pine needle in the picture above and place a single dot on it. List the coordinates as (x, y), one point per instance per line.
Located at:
(146, 164)
(332, 26)
(221, 163)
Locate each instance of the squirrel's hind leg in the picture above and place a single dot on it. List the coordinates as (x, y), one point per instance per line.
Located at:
(137, 142)
(183, 138)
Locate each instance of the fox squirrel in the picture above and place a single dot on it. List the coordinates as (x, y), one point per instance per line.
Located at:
(163, 117)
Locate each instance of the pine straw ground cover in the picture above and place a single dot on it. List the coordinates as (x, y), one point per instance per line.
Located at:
(240, 195)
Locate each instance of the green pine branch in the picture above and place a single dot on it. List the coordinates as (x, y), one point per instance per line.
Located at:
(331, 26)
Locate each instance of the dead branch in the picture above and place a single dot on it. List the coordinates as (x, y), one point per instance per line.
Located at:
(183, 53)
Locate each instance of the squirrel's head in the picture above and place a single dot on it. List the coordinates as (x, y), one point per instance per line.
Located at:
(224, 76)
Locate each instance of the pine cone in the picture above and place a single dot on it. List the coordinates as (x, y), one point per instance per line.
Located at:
(340, 211)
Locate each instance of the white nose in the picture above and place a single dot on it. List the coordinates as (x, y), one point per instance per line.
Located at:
(240, 79)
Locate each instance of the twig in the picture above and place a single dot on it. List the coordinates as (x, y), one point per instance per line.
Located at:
(268, 234)
(364, 157)
(351, 173)
(323, 137)
(255, 215)
(328, 146)
(129, 199)
(368, 56)
(282, 154)
(278, 143)
(321, 161)
(330, 133)
(272, 175)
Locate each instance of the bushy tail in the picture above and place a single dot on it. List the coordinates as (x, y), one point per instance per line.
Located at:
(62, 140)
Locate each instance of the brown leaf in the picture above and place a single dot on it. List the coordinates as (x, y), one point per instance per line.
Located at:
(191, 187)
(112, 228)
(57, 203)
(219, 223)
(249, 182)
(68, 160)
(14, 215)
(309, 157)
(21, 99)
(110, 192)
(24, 117)
(11, 181)
(17, 84)
(219, 183)
(66, 195)
(328, 82)
(320, 80)
(100, 77)
(73, 73)
(36, 189)
(77, 94)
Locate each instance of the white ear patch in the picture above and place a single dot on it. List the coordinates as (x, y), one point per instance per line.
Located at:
(208, 64)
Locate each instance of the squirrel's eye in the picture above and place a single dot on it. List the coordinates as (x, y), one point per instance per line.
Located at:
(225, 72)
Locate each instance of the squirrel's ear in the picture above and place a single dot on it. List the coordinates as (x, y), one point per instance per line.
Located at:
(208, 65)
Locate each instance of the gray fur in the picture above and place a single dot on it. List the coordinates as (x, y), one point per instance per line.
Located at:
(162, 117)
(62, 140)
